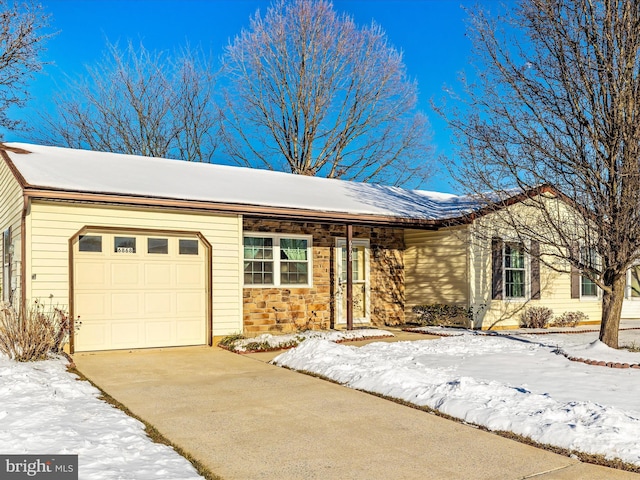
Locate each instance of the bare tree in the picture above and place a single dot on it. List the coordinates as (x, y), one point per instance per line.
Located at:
(312, 93)
(21, 44)
(139, 102)
(556, 101)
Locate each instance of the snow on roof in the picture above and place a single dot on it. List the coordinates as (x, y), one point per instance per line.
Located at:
(87, 171)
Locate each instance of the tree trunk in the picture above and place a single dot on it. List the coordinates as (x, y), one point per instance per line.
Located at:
(611, 311)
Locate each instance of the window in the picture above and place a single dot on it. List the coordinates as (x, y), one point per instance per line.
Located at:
(275, 260)
(187, 247)
(293, 261)
(589, 257)
(124, 244)
(158, 245)
(6, 265)
(634, 282)
(90, 243)
(514, 270)
(258, 261)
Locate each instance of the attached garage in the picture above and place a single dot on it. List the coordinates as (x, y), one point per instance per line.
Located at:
(140, 289)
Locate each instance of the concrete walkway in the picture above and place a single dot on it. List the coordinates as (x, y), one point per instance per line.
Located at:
(247, 420)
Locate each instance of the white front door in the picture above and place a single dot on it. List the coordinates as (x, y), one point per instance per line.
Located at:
(360, 277)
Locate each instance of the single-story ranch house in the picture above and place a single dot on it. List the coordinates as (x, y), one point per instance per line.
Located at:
(151, 252)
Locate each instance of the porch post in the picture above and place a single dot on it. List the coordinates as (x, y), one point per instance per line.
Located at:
(349, 277)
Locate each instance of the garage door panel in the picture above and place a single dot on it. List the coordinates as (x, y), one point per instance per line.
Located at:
(92, 304)
(126, 334)
(125, 273)
(126, 304)
(158, 274)
(159, 303)
(188, 330)
(189, 275)
(160, 333)
(189, 302)
(140, 299)
(90, 273)
(92, 335)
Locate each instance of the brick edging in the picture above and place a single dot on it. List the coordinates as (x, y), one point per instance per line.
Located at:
(601, 363)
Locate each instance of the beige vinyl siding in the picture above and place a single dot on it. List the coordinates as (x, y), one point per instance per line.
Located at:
(436, 267)
(11, 205)
(52, 224)
(631, 304)
(555, 286)
(631, 309)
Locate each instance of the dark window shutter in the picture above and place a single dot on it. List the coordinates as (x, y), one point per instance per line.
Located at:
(575, 273)
(496, 268)
(535, 270)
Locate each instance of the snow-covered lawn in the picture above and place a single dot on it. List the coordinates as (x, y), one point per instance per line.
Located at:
(266, 341)
(513, 383)
(45, 410)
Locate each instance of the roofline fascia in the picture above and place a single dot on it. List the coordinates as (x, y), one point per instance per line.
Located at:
(507, 202)
(14, 171)
(278, 213)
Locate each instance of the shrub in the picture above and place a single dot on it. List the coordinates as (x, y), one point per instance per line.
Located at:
(569, 319)
(536, 317)
(230, 340)
(34, 333)
(438, 314)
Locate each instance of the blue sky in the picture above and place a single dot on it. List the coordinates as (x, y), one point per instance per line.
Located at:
(431, 33)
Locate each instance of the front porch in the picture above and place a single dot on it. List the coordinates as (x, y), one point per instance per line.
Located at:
(287, 289)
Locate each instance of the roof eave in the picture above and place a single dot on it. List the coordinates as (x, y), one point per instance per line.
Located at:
(272, 212)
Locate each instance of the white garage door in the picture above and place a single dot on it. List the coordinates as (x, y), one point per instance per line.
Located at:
(139, 291)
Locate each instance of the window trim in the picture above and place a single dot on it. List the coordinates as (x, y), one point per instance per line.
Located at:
(7, 264)
(276, 237)
(628, 286)
(598, 294)
(97, 252)
(162, 238)
(185, 252)
(527, 271)
(134, 250)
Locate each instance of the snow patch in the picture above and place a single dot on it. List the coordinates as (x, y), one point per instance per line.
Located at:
(46, 410)
(503, 383)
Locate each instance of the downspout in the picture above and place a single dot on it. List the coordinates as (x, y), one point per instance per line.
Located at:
(470, 277)
(23, 251)
(349, 277)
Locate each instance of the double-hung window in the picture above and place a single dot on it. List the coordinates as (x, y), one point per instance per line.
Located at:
(277, 260)
(589, 258)
(633, 282)
(515, 271)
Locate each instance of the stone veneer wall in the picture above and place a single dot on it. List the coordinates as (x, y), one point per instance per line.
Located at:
(287, 309)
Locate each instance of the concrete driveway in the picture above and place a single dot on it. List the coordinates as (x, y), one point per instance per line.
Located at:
(246, 420)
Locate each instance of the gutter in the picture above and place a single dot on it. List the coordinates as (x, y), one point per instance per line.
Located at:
(277, 213)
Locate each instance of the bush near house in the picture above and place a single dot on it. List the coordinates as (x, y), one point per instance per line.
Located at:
(438, 314)
(33, 333)
(569, 319)
(536, 317)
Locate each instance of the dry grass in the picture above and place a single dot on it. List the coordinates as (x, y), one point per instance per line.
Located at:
(32, 334)
(632, 347)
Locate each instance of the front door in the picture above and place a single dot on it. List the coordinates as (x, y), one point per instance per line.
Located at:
(360, 278)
